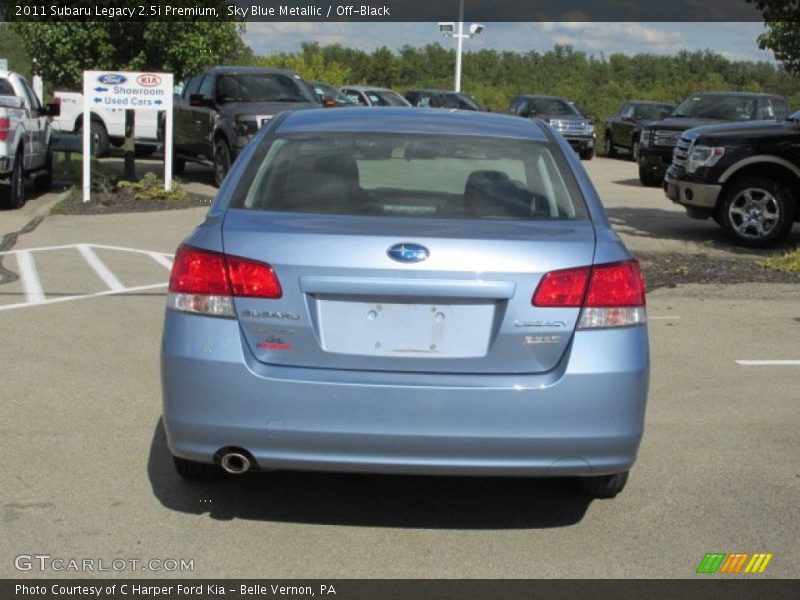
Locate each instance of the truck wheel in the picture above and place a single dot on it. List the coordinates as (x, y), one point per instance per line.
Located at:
(98, 138)
(603, 486)
(610, 151)
(44, 183)
(144, 150)
(587, 154)
(635, 149)
(757, 211)
(13, 194)
(222, 161)
(178, 165)
(648, 179)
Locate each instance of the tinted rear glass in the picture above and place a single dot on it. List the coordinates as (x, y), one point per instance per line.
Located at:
(729, 108)
(412, 175)
(259, 88)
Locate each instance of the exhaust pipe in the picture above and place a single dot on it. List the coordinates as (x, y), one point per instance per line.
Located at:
(235, 463)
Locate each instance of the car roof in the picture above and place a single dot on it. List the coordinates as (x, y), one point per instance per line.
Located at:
(234, 70)
(412, 120)
(435, 91)
(367, 88)
(740, 94)
(656, 102)
(545, 96)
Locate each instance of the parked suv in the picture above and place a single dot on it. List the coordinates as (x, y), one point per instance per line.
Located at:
(746, 176)
(658, 139)
(624, 129)
(366, 95)
(220, 110)
(563, 116)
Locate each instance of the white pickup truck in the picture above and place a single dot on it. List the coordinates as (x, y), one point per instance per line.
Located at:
(24, 139)
(107, 125)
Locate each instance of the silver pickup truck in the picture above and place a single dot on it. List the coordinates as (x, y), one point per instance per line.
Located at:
(24, 139)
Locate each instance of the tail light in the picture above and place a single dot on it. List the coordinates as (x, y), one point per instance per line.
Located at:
(5, 125)
(205, 282)
(611, 295)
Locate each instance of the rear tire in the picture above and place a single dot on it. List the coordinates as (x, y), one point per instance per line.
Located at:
(98, 139)
(611, 152)
(602, 486)
(648, 179)
(222, 161)
(143, 150)
(635, 149)
(178, 165)
(13, 194)
(587, 154)
(757, 211)
(196, 471)
(44, 183)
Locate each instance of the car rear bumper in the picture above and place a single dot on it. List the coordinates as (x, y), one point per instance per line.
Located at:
(585, 417)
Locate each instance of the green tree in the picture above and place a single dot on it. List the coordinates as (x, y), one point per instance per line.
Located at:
(782, 19)
(11, 49)
(65, 50)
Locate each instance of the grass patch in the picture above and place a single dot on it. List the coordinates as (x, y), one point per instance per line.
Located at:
(788, 263)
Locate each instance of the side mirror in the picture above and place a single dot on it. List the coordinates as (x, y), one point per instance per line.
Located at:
(199, 100)
(624, 119)
(663, 114)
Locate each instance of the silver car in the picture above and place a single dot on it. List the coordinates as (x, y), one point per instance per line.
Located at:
(406, 291)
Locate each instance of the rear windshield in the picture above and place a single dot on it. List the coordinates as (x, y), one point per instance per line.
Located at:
(385, 98)
(413, 176)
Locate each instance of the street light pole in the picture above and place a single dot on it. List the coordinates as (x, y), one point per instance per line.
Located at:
(450, 29)
(459, 44)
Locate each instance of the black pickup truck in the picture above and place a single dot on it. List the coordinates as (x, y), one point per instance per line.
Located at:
(219, 111)
(624, 129)
(746, 176)
(658, 139)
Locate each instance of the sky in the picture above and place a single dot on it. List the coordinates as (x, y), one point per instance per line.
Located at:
(735, 41)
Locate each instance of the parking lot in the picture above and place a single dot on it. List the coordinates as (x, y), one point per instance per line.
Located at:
(88, 474)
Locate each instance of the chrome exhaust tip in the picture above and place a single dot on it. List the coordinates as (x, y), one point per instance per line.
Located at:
(235, 463)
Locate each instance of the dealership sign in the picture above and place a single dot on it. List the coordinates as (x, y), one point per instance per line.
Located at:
(117, 89)
(128, 90)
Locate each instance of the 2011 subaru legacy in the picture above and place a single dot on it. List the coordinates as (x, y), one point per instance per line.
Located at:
(406, 291)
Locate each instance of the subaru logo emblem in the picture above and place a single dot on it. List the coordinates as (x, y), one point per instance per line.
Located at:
(112, 78)
(408, 253)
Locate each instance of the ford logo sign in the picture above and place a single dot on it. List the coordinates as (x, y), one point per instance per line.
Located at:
(408, 253)
(112, 78)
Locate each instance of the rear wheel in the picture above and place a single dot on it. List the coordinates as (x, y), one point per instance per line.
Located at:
(222, 161)
(587, 154)
(611, 152)
(757, 211)
(602, 486)
(635, 149)
(189, 469)
(98, 138)
(648, 179)
(13, 194)
(178, 165)
(44, 183)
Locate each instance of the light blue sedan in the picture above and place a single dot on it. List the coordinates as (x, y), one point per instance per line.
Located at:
(406, 291)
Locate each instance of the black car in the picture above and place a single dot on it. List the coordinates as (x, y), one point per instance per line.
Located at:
(658, 139)
(624, 129)
(219, 111)
(746, 176)
(429, 98)
(563, 116)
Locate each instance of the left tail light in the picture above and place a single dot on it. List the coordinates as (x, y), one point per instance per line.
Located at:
(205, 282)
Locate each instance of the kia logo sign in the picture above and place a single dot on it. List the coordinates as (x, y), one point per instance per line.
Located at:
(112, 78)
(148, 80)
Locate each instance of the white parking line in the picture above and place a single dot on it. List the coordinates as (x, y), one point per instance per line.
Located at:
(665, 318)
(769, 363)
(161, 259)
(103, 272)
(32, 287)
(138, 288)
(34, 294)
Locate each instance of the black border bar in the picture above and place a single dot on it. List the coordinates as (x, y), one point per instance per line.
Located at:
(390, 10)
(712, 587)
